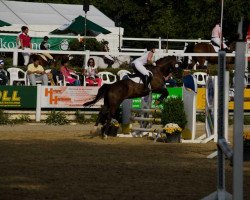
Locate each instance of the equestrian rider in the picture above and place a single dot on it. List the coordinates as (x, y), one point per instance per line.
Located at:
(216, 36)
(139, 63)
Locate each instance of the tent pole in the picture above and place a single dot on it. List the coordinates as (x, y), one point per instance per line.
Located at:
(85, 30)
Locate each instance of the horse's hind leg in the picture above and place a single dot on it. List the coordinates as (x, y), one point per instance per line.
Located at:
(106, 127)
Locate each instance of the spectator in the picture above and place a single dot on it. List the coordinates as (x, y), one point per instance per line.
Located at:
(65, 71)
(45, 46)
(25, 41)
(36, 72)
(169, 80)
(107, 58)
(3, 77)
(91, 73)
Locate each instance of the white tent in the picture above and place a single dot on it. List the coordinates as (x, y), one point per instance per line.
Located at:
(45, 17)
(42, 18)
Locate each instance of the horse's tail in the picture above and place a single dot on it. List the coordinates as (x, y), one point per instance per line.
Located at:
(101, 92)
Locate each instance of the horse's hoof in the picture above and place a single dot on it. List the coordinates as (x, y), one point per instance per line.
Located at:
(105, 137)
(157, 102)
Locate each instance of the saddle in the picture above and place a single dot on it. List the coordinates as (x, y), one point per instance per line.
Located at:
(137, 77)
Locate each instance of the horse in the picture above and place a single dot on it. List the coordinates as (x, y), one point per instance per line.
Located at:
(115, 93)
(202, 61)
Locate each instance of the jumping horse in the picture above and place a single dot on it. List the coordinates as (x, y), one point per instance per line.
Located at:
(115, 93)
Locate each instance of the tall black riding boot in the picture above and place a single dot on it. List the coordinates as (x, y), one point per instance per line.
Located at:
(146, 81)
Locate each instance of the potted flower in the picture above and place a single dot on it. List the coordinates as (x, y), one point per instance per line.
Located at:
(173, 132)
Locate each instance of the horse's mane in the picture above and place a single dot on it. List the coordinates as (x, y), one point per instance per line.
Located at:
(165, 60)
(166, 57)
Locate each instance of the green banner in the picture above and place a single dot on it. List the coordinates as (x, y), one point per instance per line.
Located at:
(173, 92)
(18, 96)
(9, 42)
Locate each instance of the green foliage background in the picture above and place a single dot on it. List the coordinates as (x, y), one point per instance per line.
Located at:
(170, 18)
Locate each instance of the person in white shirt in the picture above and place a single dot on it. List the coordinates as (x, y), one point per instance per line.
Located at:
(139, 63)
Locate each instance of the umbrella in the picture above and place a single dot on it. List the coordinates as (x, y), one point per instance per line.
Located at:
(3, 23)
(77, 26)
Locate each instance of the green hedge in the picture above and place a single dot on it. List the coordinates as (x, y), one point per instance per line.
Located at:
(173, 112)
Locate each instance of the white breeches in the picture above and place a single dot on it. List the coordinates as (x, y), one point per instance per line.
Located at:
(218, 42)
(26, 57)
(139, 66)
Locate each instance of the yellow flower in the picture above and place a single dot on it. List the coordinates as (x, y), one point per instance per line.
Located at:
(172, 128)
(246, 135)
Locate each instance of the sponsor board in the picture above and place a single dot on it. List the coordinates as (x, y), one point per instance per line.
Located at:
(18, 96)
(68, 96)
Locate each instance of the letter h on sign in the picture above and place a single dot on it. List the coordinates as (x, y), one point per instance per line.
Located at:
(49, 92)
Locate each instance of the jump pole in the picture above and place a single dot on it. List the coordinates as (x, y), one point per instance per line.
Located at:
(223, 148)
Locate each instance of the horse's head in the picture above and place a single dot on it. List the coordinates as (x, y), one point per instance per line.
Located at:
(168, 64)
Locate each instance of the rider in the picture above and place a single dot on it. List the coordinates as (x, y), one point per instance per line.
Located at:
(216, 36)
(139, 63)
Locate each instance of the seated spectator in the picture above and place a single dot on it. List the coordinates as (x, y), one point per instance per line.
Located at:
(56, 73)
(36, 72)
(45, 46)
(66, 73)
(91, 73)
(3, 77)
(170, 81)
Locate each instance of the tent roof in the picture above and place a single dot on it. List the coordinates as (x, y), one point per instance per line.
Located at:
(31, 13)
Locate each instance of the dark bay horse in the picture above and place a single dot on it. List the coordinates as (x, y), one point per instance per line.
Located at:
(115, 93)
(201, 61)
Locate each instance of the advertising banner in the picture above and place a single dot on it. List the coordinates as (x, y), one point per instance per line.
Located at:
(18, 96)
(201, 99)
(173, 92)
(68, 96)
(9, 42)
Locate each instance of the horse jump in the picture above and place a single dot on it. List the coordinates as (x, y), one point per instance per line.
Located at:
(223, 149)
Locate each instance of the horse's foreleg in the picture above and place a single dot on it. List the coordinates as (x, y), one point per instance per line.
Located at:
(164, 94)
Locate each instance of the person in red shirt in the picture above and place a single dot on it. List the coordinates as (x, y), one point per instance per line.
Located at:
(25, 42)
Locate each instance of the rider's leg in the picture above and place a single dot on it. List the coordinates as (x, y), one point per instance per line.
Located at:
(140, 68)
(216, 41)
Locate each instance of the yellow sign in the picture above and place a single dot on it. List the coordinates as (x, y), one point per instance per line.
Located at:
(201, 99)
(9, 98)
